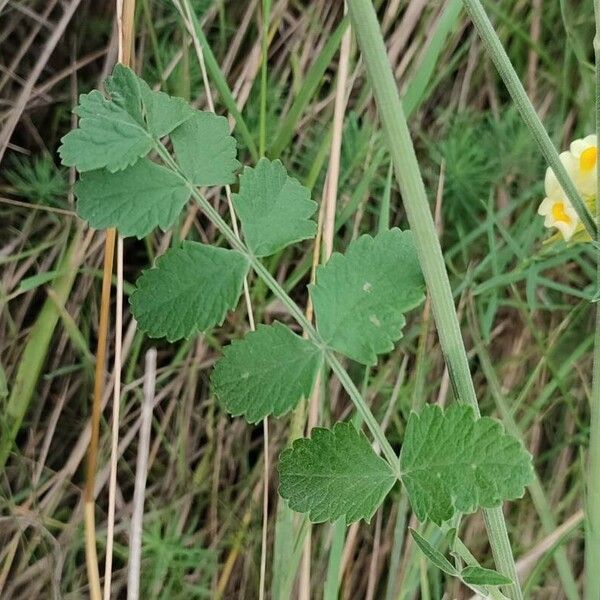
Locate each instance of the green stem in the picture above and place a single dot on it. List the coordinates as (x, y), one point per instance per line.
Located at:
(592, 528)
(295, 311)
(530, 117)
(370, 41)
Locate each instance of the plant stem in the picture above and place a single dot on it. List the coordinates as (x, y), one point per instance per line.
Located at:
(530, 117)
(370, 41)
(592, 525)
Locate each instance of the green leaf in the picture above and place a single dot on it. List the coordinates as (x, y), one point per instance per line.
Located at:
(135, 201)
(205, 151)
(451, 462)
(360, 298)
(433, 554)
(191, 289)
(334, 474)
(274, 208)
(480, 576)
(107, 137)
(114, 133)
(158, 112)
(266, 373)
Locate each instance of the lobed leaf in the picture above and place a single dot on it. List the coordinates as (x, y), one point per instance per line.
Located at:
(205, 151)
(360, 298)
(107, 137)
(115, 132)
(135, 201)
(266, 373)
(274, 208)
(157, 112)
(452, 462)
(334, 474)
(191, 289)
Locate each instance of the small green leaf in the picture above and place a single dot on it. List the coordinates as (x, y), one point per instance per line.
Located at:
(158, 112)
(205, 151)
(433, 554)
(107, 136)
(135, 201)
(274, 209)
(334, 474)
(360, 298)
(266, 373)
(191, 289)
(481, 576)
(451, 462)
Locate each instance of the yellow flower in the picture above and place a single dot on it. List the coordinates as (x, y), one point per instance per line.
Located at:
(585, 154)
(555, 207)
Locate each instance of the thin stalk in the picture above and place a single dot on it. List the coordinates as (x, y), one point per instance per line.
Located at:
(266, 17)
(262, 145)
(125, 19)
(592, 525)
(370, 41)
(92, 454)
(530, 117)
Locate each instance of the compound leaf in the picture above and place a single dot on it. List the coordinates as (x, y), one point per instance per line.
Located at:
(452, 462)
(274, 208)
(107, 136)
(360, 298)
(135, 201)
(190, 289)
(476, 575)
(266, 373)
(335, 473)
(204, 149)
(433, 554)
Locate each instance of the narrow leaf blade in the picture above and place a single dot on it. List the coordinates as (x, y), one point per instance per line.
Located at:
(452, 462)
(434, 555)
(334, 474)
(476, 575)
(360, 298)
(204, 149)
(274, 208)
(135, 201)
(266, 373)
(190, 290)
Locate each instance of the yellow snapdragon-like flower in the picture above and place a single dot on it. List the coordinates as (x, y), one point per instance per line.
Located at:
(555, 207)
(580, 163)
(585, 153)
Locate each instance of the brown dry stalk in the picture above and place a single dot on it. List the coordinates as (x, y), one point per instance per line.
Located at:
(125, 15)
